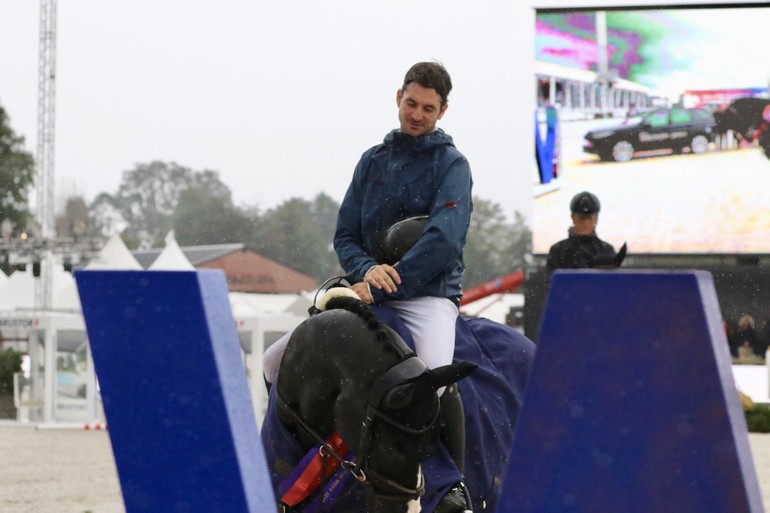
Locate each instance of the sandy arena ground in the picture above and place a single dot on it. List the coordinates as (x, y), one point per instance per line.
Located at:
(73, 471)
(668, 204)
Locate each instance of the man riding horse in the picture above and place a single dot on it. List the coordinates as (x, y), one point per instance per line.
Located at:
(415, 172)
(748, 118)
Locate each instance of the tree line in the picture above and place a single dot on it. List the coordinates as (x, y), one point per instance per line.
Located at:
(156, 197)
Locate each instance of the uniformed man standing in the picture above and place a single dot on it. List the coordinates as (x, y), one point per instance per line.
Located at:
(583, 248)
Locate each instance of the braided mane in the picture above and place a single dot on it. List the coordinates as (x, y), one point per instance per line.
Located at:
(360, 308)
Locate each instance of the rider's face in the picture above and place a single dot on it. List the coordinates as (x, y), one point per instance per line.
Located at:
(419, 108)
(584, 224)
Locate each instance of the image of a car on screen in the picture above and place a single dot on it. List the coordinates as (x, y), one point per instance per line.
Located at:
(676, 129)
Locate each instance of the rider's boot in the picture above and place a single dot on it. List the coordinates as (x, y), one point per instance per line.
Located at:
(453, 425)
(457, 499)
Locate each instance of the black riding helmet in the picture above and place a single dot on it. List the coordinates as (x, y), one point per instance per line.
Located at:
(585, 203)
(393, 243)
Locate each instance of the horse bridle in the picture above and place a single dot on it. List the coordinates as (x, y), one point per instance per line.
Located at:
(403, 372)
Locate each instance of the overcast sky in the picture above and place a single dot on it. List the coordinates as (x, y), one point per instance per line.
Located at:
(281, 98)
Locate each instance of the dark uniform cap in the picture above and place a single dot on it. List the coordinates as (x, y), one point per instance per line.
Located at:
(585, 203)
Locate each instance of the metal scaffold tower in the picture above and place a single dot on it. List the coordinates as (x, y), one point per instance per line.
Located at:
(45, 149)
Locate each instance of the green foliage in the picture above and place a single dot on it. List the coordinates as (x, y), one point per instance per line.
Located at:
(758, 418)
(205, 218)
(298, 233)
(149, 195)
(495, 247)
(323, 210)
(17, 174)
(104, 216)
(10, 363)
(75, 221)
(147, 198)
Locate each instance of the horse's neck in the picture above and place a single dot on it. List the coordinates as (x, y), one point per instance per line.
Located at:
(329, 366)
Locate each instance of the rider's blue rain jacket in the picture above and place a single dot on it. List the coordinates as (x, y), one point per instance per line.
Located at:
(403, 177)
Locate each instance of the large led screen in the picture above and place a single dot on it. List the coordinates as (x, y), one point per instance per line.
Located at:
(653, 87)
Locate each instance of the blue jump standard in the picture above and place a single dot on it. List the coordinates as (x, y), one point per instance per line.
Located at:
(631, 405)
(175, 394)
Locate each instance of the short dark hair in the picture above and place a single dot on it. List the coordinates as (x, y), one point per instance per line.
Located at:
(432, 75)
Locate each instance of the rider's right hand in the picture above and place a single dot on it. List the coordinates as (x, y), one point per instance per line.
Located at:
(383, 277)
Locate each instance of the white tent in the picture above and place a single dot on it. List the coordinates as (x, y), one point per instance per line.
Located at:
(18, 290)
(171, 258)
(114, 255)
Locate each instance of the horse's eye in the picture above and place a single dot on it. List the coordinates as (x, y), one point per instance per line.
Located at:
(399, 397)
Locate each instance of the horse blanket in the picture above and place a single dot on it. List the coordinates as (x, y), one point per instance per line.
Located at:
(491, 396)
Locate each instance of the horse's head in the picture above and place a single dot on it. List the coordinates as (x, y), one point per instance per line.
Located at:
(372, 389)
(401, 430)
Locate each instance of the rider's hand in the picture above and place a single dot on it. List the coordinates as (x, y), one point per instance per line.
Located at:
(362, 289)
(383, 277)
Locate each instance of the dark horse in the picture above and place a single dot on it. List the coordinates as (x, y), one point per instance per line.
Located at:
(748, 118)
(347, 373)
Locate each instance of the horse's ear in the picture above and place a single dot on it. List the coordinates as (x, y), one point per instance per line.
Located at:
(399, 397)
(448, 374)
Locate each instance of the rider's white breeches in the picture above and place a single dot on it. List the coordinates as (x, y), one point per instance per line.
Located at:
(431, 320)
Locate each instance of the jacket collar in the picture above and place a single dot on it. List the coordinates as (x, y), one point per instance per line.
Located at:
(436, 138)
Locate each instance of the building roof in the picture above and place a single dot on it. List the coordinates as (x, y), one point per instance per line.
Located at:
(195, 254)
(246, 269)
